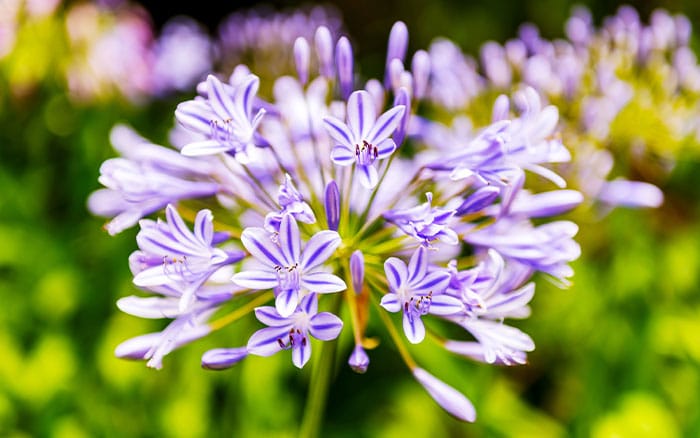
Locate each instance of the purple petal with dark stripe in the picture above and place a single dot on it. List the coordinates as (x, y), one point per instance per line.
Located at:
(309, 304)
(195, 115)
(301, 352)
(325, 326)
(338, 131)
(413, 328)
(203, 227)
(391, 302)
(418, 265)
(445, 305)
(385, 148)
(396, 273)
(342, 155)
(246, 95)
(322, 282)
(435, 282)
(367, 175)
(386, 124)
(205, 147)
(269, 316)
(318, 249)
(265, 342)
(219, 99)
(257, 242)
(286, 302)
(259, 280)
(361, 114)
(289, 239)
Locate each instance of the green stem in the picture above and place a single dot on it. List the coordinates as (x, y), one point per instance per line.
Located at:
(320, 380)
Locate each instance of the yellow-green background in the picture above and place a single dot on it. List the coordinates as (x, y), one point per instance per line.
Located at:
(618, 354)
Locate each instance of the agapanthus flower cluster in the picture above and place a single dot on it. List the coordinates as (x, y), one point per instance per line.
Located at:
(627, 93)
(331, 193)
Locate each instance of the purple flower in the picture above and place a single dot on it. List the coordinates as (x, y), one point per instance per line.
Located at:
(366, 138)
(287, 269)
(146, 180)
(292, 331)
(425, 222)
(292, 203)
(225, 118)
(417, 292)
(188, 324)
(547, 248)
(172, 255)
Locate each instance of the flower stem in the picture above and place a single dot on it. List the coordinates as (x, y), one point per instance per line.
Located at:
(320, 380)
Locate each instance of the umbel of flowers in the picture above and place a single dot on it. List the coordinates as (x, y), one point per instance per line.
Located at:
(315, 202)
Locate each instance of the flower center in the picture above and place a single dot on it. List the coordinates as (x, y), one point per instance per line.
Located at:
(288, 277)
(418, 306)
(296, 338)
(366, 154)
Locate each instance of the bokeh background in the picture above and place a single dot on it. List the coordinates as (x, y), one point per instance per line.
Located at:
(618, 354)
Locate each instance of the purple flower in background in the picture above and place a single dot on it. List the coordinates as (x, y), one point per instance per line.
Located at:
(287, 269)
(292, 331)
(225, 118)
(417, 292)
(147, 179)
(366, 138)
(292, 203)
(425, 222)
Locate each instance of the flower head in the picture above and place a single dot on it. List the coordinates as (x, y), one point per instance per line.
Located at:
(292, 332)
(365, 138)
(286, 268)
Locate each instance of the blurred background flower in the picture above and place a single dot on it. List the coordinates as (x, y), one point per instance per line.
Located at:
(617, 353)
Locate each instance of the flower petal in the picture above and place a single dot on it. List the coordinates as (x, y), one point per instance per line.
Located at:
(361, 114)
(325, 326)
(289, 239)
(301, 352)
(286, 302)
(319, 248)
(385, 148)
(396, 273)
(367, 175)
(256, 279)
(418, 266)
(204, 147)
(204, 227)
(391, 302)
(445, 305)
(219, 99)
(265, 342)
(269, 316)
(413, 328)
(435, 282)
(322, 282)
(257, 242)
(342, 155)
(386, 124)
(338, 131)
